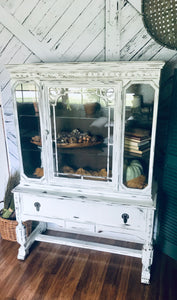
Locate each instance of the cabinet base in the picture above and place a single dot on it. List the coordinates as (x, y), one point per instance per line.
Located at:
(37, 235)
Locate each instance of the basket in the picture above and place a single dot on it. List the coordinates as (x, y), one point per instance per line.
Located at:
(160, 21)
(8, 229)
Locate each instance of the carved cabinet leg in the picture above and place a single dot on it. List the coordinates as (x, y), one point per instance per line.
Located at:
(21, 239)
(147, 251)
(20, 229)
(147, 258)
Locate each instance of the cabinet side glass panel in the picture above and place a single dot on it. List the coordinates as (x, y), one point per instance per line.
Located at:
(139, 104)
(27, 99)
(82, 132)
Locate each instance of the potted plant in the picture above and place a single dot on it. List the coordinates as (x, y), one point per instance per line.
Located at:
(8, 221)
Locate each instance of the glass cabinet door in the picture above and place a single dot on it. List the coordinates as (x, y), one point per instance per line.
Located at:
(138, 111)
(27, 99)
(82, 122)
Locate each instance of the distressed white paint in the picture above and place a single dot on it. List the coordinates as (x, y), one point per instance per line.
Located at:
(11, 5)
(85, 39)
(127, 14)
(137, 40)
(4, 165)
(64, 22)
(35, 15)
(51, 19)
(5, 38)
(112, 30)
(93, 206)
(25, 36)
(89, 245)
(63, 27)
(136, 4)
(19, 54)
(95, 49)
(80, 27)
(24, 9)
(131, 30)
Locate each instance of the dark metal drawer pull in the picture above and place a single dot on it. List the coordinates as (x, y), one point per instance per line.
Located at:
(125, 217)
(37, 205)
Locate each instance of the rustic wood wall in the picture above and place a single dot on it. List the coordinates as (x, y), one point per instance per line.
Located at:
(4, 167)
(70, 30)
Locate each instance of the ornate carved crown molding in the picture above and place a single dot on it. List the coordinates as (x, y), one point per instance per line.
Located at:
(90, 75)
(92, 71)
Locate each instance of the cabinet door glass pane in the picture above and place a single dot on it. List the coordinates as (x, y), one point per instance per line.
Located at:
(27, 96)
(82, 132)
(137, 139)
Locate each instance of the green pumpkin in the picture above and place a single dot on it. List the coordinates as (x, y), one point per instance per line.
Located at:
(134, 170)
(137, 163)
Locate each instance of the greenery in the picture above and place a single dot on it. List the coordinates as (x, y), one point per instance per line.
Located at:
(9, 208)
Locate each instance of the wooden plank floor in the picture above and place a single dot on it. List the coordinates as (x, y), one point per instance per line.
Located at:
(59, 272)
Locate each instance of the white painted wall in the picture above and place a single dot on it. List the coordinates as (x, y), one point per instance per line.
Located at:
(4, 167)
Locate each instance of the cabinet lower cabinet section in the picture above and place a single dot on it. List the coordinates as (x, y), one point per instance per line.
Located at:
(103, 219)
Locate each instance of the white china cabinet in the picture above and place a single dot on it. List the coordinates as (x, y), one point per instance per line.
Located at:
(86, 136)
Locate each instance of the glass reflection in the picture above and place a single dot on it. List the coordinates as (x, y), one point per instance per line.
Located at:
(137, 140)
(82, 132)
(27, 98)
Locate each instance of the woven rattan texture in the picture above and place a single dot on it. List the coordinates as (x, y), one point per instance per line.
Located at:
(8, 229)
(160, 21)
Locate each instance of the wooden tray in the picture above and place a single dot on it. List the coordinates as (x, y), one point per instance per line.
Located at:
(72, 145)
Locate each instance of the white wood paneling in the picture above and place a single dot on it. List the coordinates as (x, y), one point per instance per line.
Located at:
(56, 30)
(127, 14)
(21, 54)
(25, 36)
(95, 49)
(135, 45)
(64, 23)
(6, 36)
(85, 39)
(11, 5)
(12, 47)
(131, 29)
(24, 9)
(112, 29)
(136, 4)
(165, 54)
(4, 174)
(38, 15)
(82, 26)
(51, 19)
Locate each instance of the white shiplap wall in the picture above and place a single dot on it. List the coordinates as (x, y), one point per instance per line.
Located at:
(70, 30)
(4, 162)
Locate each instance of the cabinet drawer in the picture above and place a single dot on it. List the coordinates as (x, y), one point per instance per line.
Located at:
(88, 212)
(77, 226)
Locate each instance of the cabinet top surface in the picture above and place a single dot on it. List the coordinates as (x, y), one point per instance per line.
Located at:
(82, 195)
(85, 69)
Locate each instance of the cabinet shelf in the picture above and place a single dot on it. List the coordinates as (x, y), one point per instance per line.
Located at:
(78, 145)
